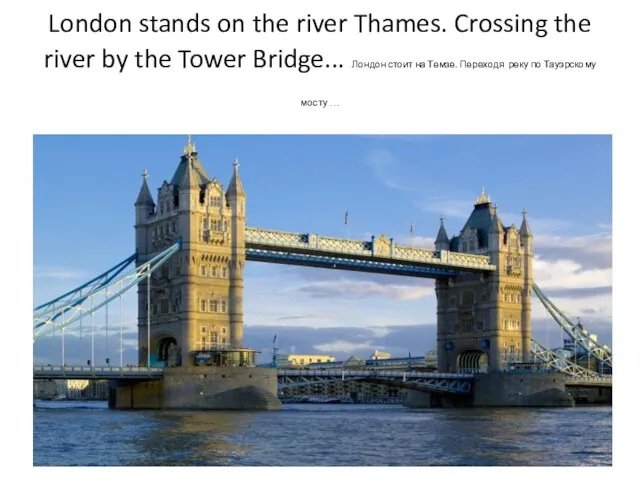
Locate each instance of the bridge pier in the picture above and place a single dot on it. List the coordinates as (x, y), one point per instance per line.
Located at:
(419, 399)
(200, 388)
(507, 389)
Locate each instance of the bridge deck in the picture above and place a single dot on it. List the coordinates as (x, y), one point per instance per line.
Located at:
(95, 373)
(378, 255)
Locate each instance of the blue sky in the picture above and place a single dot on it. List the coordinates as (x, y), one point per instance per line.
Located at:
(85, 187)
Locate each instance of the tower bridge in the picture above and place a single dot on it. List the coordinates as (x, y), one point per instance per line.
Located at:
(192, 244)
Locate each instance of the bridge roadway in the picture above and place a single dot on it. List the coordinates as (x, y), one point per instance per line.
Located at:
(289, 378)
(380, 255)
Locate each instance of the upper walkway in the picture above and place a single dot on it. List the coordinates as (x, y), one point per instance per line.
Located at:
(380, 255)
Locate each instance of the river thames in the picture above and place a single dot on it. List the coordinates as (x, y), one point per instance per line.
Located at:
(89, 434)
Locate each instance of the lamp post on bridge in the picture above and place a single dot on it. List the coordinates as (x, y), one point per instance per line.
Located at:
(149, 320)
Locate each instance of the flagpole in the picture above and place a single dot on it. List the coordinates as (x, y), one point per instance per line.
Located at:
(346, 224)
(411, 230)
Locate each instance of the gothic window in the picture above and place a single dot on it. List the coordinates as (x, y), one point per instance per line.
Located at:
(214, 272)
(203, 329)
(464, 246)
(223, 306)
(203, 305)
(215, 201)
(213, 306)
(161, 208)
(468, 297)
(225, 272)
(203, 270)
(205, 224)
(224, 330)
(164, 305)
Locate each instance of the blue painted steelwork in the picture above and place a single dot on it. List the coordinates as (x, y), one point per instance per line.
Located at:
(52, 319)
(75, 297)
(579, 335)
(371, 265)
(438, 382)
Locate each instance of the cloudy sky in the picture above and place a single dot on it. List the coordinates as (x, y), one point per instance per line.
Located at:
(85, 187)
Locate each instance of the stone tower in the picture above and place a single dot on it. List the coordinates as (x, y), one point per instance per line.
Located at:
(196, 296)
(484, 319)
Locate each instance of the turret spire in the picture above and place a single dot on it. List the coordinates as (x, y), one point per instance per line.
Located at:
(496, 224)
(442, 240)
(144, 197)
(190, 147)
(525, 231)
(483, 198)
(235, 185)
(189, 179)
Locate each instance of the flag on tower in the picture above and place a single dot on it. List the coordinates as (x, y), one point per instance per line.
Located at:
(274, 338)
(346, 217)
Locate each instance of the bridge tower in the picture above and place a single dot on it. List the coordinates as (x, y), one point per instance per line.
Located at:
(195, 297)
(484, 319)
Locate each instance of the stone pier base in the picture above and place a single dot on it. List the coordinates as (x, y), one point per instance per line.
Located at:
(521, 390)
(501, 390)
(200, 388)
(418, 399)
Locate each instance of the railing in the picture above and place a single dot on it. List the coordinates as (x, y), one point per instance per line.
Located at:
(376, 248)
(92, 372)
(369, 373)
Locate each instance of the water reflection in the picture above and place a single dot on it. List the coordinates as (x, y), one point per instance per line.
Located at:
(192, 438)
(323, 435)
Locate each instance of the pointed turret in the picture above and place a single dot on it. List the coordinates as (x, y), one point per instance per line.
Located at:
(189, 179)
(235, 185)
(442, 240)
(144, 197)
(496, 224)
(525, 231)
(190, 157)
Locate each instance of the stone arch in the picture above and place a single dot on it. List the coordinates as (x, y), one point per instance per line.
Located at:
(472, 361)
(166, 349)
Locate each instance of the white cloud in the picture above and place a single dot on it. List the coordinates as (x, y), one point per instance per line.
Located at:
(343, 346)
(58, 273)
(447, 207)
(566, 274)
(384, 166)
(357, 290)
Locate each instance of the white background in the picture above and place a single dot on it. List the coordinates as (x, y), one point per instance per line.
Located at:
(214, 101)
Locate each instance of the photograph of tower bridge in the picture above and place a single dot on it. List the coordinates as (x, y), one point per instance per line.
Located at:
(236, 292)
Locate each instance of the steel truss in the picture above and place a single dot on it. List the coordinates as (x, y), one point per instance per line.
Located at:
(578, 335)
(58, 306)
(559, 363)
(438, 382)
(373, 265)
(60, 313)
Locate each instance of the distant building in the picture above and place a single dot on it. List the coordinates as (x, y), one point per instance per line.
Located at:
(376, 355)
(298, 361)
(44, 389)
(431, 359)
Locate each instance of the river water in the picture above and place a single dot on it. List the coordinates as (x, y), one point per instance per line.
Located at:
(88, 433)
